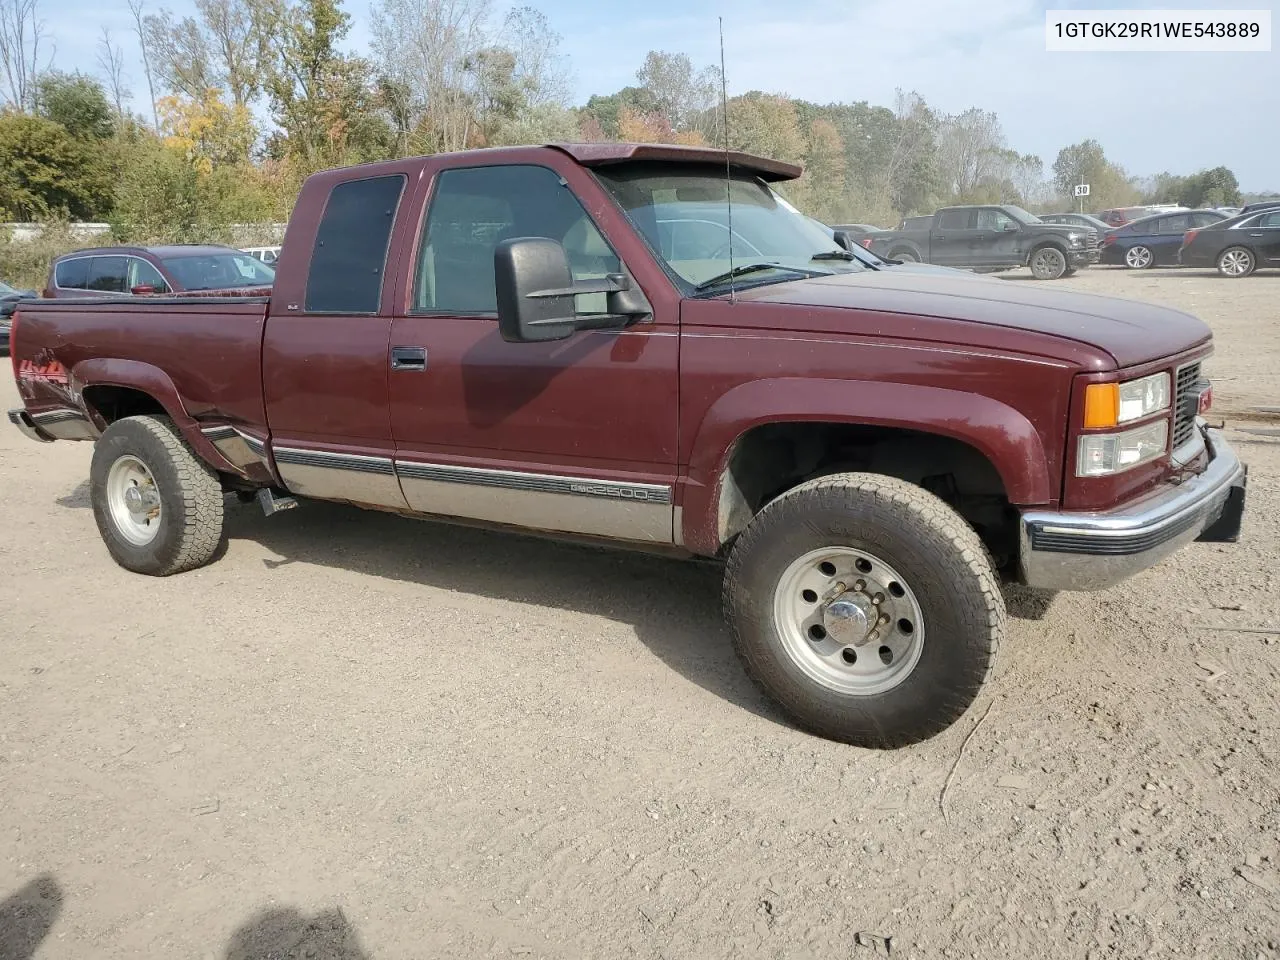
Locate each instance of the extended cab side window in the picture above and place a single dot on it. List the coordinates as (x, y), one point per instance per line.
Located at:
(108, 275)
(474, 209)
(954, 219)
(1270, 220)
(349, 260)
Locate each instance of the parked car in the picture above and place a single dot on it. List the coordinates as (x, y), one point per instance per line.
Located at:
(1237, 247)
(268, 255)
(1153, 241)
(182, 268)
(1261, 205)
(1078, 220)
(856, 229)
(868, 450)
(991, 238)
(9, 300)
(916, 223)
(1119, 216)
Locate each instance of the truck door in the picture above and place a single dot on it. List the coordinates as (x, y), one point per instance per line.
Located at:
(953, 232)
(324, 353)
(577, 435)
(995, 240)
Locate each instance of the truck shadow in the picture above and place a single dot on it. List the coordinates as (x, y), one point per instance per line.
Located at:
(674, 605)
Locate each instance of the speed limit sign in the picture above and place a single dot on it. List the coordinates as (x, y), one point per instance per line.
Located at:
(1082, 190)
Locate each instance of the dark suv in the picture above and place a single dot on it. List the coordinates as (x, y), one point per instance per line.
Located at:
(183, 268)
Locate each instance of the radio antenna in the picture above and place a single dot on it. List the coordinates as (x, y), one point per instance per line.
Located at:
(728, 172)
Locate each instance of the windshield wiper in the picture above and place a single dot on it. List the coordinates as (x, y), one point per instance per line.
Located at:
(746, 268)
(834, 255)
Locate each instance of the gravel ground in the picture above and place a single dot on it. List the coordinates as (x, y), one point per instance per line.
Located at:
(357, 736)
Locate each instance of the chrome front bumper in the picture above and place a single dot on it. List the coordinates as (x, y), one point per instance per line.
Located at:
(1092, 551)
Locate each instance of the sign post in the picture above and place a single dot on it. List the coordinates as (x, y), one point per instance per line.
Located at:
(1081, 191)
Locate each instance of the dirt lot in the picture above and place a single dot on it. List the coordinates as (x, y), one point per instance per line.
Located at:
(358, 736)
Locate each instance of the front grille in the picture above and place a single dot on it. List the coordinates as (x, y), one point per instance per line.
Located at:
(1186, 403)
(1091, 241)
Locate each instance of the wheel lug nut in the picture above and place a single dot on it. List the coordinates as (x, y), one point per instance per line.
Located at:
(860, 585)
(878, 599)
(884, 618)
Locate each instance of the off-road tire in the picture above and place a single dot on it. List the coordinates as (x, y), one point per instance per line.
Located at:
(1047, 263)
(190, 497)
(933, 548)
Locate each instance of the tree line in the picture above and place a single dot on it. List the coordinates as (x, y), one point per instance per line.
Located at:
(243, 100)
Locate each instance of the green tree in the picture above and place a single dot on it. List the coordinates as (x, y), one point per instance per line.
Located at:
(77, 102)
(604, 110)
(46, 172)
(1085, 162)
(325, 103)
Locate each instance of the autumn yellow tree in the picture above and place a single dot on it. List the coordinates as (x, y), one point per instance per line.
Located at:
(207, 131)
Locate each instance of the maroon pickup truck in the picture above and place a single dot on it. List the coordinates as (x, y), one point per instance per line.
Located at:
(629, 344)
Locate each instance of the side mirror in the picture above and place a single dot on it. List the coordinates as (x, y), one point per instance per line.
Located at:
(142, 289)
(535, 291)
(845, 239)
(1010, 227)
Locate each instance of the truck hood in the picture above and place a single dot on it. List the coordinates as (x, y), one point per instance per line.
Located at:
(1131, 331)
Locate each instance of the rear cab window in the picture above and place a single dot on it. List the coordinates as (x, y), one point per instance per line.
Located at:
(349, 259)
(954, 219)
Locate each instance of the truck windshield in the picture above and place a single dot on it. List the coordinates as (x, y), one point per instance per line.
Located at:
(1021, 215)
(682, 211)
(219, 271)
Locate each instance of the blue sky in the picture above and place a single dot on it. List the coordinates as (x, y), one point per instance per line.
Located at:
(1151, 112)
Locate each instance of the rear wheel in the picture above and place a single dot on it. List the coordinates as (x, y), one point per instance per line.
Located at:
(865, 607)
(1139, 258)
(1048, 263)
(1236, 262)
(157, 505)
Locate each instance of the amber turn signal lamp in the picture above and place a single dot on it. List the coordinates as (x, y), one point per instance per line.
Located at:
(1101, 405)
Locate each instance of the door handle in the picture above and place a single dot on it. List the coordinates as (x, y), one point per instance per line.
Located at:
(1255, 234)
(408, 358)
(939, 237)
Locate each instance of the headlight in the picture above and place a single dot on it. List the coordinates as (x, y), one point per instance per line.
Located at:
(1076, 239)
(1106, 453)
(1111, 404)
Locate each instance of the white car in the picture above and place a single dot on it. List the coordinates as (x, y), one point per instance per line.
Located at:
(267, 255)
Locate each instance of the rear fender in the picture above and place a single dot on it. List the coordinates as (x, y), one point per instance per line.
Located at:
(155, 383)
(1000, 433)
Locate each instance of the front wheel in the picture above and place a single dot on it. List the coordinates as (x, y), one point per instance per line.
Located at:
(865, 607)
(1048, 263)
(906, 256)
(1236, 262)
(157, 505)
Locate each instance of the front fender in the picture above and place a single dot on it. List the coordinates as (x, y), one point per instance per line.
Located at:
(999, 432)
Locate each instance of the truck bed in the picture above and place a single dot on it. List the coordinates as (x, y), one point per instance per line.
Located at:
(203, 354)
